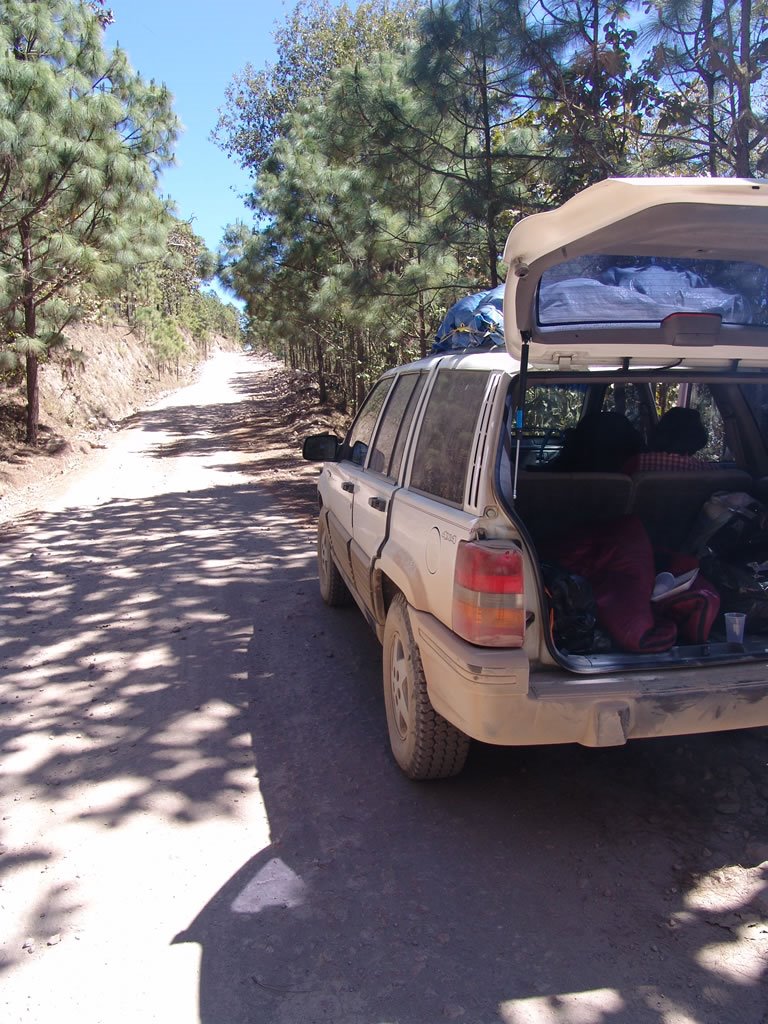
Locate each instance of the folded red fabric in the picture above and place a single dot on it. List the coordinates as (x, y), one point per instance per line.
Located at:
(617, 559)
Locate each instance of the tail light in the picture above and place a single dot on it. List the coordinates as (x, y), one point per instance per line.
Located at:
(488, 597)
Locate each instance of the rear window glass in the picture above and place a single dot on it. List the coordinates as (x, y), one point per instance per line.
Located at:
(716, 449)
(633, 401)
(554, 410)
(446, 434)
(630, 289)
(550, 411)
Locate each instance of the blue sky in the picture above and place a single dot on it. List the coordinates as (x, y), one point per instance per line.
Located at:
(195, 47)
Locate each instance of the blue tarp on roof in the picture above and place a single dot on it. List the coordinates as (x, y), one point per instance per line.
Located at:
(589, 290)
(471, 322)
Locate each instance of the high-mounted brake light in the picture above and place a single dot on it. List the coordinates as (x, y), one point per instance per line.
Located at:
(488, 598)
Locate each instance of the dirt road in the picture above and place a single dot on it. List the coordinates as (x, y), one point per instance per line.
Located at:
(201, 821)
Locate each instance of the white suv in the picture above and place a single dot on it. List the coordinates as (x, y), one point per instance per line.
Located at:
(456, 517)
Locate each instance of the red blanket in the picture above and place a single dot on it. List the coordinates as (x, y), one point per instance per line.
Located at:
(619, 562)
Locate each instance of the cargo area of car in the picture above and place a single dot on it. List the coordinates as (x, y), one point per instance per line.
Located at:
(558, 507)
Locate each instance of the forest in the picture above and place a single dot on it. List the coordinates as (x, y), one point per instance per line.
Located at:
(393, 143)
(84, 233)
(389, 148)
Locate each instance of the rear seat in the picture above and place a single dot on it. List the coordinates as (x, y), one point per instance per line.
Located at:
(552, 503)
(668, 503)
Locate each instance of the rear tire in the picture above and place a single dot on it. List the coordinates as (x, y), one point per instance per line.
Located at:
(333, 589)
(424, 744)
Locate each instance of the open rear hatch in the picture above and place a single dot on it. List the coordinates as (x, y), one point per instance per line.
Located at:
(643, 273)
(657, 271)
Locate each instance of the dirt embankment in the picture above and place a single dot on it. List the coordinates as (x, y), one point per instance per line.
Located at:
(88, 392)
(105, 374)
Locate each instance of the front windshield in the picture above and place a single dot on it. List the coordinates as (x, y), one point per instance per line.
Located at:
(603, 289)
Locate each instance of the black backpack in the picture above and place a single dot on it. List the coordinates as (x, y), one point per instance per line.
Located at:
(731, 538)
(573, 611)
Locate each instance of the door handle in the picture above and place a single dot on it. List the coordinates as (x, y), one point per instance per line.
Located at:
(378, 503)
(347, 486)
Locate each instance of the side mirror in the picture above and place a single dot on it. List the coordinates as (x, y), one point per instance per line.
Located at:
(321, 448)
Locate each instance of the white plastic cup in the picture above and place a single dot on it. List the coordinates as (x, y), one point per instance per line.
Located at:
(734, 627)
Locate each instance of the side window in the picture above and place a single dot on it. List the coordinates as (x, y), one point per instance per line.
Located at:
(359, 436)
(388, 445)
(447, 431)
(413, 401)
(716, 449)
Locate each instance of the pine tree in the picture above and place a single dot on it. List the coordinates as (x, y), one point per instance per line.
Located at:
(592, 98)
(468, 70)
(317, 37)
(711, 57)
(82, 138)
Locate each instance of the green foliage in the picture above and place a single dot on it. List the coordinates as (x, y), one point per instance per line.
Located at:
(468, 73)
(168, 290)
(317, 37)
(349, 283)
(380, 204)
(711, 60)
(593, 97)
(179, 273)
(560, 405)
(82, 137)
(389, 164)
(162, 334)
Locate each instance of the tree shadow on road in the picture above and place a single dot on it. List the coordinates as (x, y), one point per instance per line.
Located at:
(544, 885)
(547, 885)
(270, 420)
(112, 617)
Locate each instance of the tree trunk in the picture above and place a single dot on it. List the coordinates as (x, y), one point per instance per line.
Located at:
(33, 400)
(490, 192)
(359, 367)
(744, 115)
(705, 70)
(30, 330)
(323, 396)
(422, 327)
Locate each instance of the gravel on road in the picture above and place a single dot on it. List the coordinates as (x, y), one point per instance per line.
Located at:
(202, 822)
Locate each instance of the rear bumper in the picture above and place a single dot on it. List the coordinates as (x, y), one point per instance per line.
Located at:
(491, 695)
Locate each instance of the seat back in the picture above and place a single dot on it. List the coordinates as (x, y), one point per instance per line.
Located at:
(668, 503)
(550, 504)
